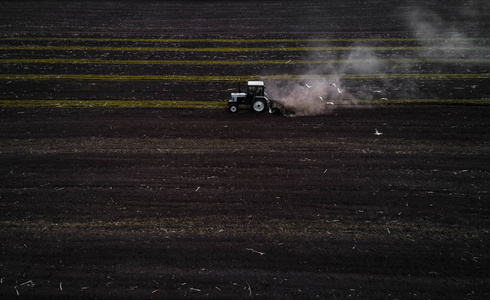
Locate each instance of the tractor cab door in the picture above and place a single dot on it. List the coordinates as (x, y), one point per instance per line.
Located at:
(251, 92)
(259, 91)
(254, 91)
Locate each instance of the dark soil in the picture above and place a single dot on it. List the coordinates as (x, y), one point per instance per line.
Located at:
(175, 203)
(189, 203)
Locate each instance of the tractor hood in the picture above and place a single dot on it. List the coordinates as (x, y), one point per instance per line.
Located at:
(235, 96)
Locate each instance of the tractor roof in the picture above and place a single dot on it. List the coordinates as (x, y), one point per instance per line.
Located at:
(255, 83)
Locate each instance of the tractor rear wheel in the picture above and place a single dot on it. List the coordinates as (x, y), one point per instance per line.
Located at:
(258, 106)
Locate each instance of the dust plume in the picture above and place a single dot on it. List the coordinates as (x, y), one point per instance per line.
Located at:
(312, 94)
(442, 34)
(309, 97)
(445, 35)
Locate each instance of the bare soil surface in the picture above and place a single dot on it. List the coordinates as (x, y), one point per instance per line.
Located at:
(179, 203)
(202, 203)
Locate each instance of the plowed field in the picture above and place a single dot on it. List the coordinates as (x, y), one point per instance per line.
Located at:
(122, 175)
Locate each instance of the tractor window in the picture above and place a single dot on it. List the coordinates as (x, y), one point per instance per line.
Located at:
(256, 90)
(260, 91)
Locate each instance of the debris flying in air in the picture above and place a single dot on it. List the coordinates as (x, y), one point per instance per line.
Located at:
(335, 86)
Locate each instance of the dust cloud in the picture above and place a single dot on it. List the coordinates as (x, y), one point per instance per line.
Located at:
(445, 35)
(322, 87)
(315, 95)
(309, 97)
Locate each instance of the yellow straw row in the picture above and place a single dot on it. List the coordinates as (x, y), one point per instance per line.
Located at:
(211, 40)
(111, 104)
(239, 62)
(237, 49)
(209, 78)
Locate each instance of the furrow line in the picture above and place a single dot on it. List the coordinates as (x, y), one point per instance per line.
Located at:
(50, 103)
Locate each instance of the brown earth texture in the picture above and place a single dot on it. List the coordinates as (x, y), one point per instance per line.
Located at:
(123, 175)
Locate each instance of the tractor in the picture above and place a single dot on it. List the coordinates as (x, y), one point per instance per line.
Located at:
(256, 97)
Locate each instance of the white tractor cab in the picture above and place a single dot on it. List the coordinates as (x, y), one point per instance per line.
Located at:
(254, 96)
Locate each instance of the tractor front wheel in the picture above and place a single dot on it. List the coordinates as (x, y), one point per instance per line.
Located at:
(258, 106)
(233, 108)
